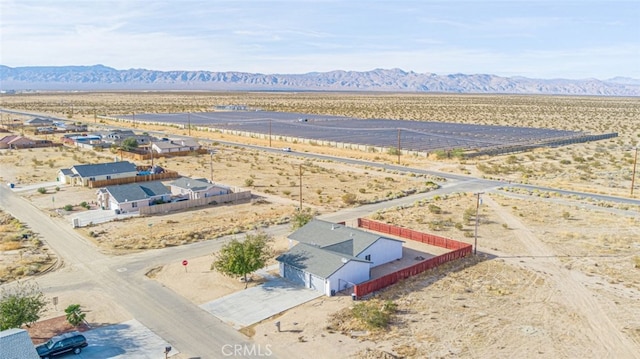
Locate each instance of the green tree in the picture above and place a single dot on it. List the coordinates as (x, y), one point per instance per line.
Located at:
(75, 316)
(20, 305)
(237, 259)
(300, 218)
(129, 144)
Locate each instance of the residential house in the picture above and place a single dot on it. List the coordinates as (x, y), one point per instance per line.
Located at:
(17, 142)
(175, 146)
(71, 127)
(117, 136)
(38, 122)
(82, 174)
(331, 257)
(190, 188)
(130, 197)
(16, 343)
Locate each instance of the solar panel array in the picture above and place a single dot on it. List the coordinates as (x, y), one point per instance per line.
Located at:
(414, 135)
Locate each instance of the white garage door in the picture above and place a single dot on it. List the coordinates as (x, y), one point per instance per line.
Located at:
(294, 274)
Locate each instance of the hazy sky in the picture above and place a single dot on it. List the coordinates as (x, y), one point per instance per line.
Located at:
(536, 38)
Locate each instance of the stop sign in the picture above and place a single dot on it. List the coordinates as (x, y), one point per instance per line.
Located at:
(184, 262)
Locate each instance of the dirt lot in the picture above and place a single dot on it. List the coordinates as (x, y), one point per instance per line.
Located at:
(555, 277)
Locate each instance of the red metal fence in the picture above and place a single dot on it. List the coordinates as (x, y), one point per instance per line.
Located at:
(460, 249)
(411, 234)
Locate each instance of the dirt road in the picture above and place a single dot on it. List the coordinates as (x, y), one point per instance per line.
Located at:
(571, 292)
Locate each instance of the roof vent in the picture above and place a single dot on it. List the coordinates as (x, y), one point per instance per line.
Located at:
(343, 260)
(333, 226)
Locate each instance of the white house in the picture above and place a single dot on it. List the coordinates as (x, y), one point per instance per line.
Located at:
(331, 257)
(190, 188)
(130, 197)
(82, 174)
(175, 145)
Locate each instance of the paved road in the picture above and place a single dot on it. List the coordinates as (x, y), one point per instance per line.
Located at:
(175, 319)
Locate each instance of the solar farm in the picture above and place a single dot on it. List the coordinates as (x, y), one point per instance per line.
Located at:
(418, 136)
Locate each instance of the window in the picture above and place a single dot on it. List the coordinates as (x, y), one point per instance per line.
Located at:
(108, 177)
(134, 204)
(368, 257)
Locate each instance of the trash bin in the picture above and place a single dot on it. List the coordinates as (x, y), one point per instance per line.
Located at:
(11, 185)
(353, 296)
(333, 292)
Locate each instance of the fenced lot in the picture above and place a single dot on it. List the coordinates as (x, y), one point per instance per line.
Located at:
(419, 136)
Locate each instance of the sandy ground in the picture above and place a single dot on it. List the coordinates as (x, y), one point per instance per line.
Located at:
(545, 284)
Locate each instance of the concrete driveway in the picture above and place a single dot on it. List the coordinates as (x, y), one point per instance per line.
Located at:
(124, 340)
(252, 305)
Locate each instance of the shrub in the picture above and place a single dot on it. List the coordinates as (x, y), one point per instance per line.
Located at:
(248, 182)
(374, 314)
(68, 207)
(434, 209)
(349, 198)
(42, 190)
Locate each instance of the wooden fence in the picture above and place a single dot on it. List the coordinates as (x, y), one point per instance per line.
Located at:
(177, 206)
(134, 179)
(460, 250)
(411, 234)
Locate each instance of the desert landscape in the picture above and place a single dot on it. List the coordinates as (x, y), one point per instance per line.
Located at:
(555, 276)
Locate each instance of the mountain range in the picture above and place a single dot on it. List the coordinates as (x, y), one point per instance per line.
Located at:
(103, 78)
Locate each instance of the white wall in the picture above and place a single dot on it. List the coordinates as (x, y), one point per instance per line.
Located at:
(352, 272)
(383, 251)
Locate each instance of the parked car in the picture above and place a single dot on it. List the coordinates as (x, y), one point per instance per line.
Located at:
(71, 342)
(287, 149)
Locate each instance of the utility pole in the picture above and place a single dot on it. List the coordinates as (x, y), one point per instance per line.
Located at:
(211, 165)
(398, 146)
(300, 208)
(475, 242)
(189, 119)
(269, 132)
(633, 175)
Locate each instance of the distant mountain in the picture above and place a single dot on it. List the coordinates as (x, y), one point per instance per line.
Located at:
(99, 77)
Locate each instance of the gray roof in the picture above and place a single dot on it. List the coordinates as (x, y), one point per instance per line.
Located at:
(39, 121)
(199, 184)
(16, 343)
(102, 169)
(177, 143)
(316, 260)
(137, 191)
(336, 237)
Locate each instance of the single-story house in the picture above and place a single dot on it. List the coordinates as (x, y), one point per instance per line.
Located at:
(76, 127)
(37, 122)
(331, 257)
(175, 145)
(82, 174)
(190, 188)
(115, 135)
(130, 197)
(16, 343)
(16, 142)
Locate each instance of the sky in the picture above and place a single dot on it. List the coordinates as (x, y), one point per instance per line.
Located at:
(576, 39)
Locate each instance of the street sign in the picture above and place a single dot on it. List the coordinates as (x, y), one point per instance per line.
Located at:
(184, 262)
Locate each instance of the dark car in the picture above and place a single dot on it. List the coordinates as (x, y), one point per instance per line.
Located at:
(71, 342)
